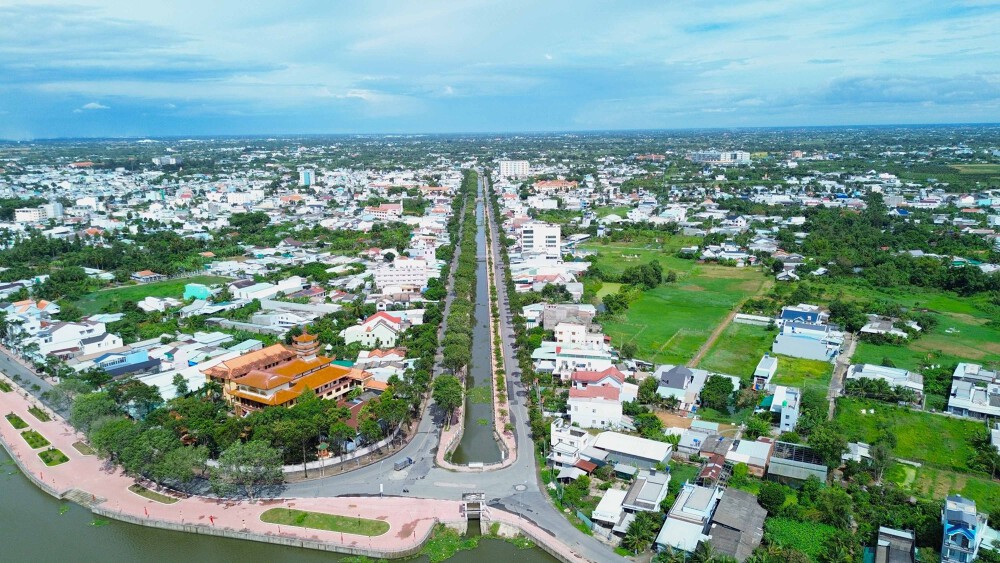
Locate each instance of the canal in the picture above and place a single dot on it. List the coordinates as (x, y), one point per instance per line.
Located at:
(478, 442)
(36, 527)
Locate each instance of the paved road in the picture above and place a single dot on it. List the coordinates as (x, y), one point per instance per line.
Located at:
(11, 365)
(514, 488)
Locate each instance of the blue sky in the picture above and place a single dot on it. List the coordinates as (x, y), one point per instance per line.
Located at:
(127, 68)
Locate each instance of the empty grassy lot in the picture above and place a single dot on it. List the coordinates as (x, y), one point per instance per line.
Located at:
(738, 350)
(671, 322)
(936, 484)
(96, 302)
(932, 439)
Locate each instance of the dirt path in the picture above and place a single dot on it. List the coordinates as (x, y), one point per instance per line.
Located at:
(714, 336)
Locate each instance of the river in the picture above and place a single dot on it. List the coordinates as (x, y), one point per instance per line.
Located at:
(478, 442)
(36, 527)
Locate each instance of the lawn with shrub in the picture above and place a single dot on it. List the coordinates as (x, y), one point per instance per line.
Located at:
(53, 457)
(34, 439)
(39, 414)
(323, 521)
(17, 422)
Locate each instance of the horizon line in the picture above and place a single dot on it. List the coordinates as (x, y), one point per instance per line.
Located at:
(504, 133)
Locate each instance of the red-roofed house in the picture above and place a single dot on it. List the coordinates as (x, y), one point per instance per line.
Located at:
(610, 376)
(596, 406)
(380, 329)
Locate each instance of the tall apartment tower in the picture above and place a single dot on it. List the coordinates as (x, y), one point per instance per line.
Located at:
(514, 168)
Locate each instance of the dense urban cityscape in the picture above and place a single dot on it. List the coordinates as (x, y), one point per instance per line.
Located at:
(604, 345)
(573, 282)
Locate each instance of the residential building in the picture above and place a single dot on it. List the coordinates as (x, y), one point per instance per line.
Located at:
(685, 384)
(380, 329)
(975, 392)
(402, 275)
(595, 406)
(688, 520)
(514, 169)
(567, 443)
(720, 158)
(766, 368)
(892, 546)
(540, 238)
(632, 450)
(794, 463)
(964, 529)
(737, 525)
(895, 377)
(786, 403)
(808, 341)
(755, 454)
(610, 515)
(647, 491)
(147, 276)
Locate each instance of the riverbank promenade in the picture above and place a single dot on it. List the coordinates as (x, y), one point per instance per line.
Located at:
(88, 480)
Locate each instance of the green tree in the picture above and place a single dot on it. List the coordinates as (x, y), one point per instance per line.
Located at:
(828, 443)
(757, 426)
(771, 496)
(180, 385)
(247, 469)
(340, 433)
(647, 391)
(91, 407)
(836, 507)
(448, 394)
(717, 392)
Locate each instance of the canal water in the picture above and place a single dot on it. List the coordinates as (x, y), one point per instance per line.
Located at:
(478, 442)
(36, 527)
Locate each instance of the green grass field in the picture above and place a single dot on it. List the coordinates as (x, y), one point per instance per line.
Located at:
(738, 350)
(960, 335)
(608, 288)
(811, 376)
(96, 302)
(671, 322)
(936, 484)
(321, 521)
(605, 211)
(937, 440)
(807, 537)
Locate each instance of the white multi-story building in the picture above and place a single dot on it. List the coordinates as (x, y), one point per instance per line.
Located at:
(567, 443)
(572, 334)
(514, 168)
(721, 158)
(29, 215)
(401, 275)
(540, 237)
(307, 177)
(596, 406)
(975, 392)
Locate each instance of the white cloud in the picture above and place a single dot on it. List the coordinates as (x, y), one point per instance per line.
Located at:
(94, 105)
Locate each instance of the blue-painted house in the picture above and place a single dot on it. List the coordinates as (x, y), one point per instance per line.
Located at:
(123, 363)
(963, 530)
